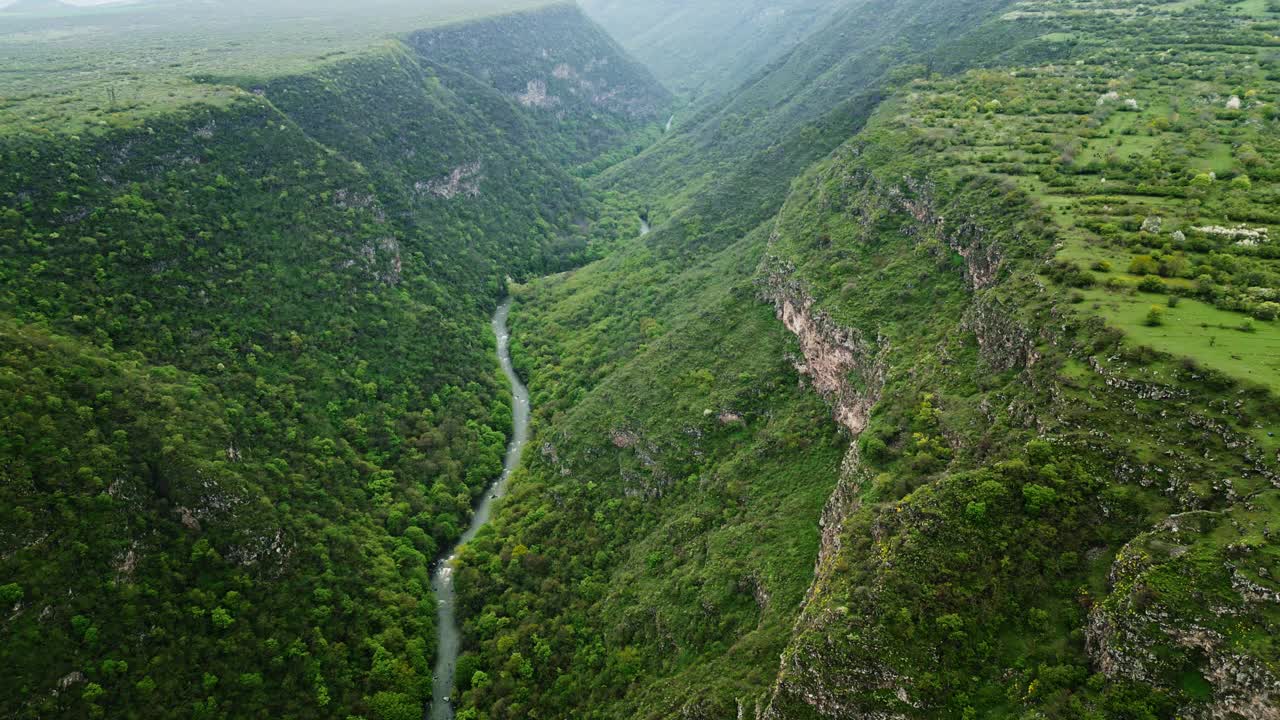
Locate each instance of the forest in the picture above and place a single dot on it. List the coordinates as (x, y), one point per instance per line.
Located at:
(887, 359)
(250, 395)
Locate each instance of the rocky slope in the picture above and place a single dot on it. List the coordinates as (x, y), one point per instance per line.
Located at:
(868, 643)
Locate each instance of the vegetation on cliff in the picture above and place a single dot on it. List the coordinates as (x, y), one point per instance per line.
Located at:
(1048, 508)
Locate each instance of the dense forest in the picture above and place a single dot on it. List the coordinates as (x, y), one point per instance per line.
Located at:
(941, 381)
(249, 393)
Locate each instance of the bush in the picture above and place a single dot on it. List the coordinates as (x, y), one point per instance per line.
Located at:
(1071, 275)
(1123, 284)
(1152, 284)
(873, 448)
(1155, 317)
(1267, 311)
(1144, 265)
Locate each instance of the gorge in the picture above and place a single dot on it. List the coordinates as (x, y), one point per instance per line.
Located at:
(855, 359)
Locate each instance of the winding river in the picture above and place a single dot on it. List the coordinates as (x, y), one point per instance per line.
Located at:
(442, 580)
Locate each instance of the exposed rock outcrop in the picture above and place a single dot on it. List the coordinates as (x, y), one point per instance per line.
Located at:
(846, 370)
(463, 180)
(1004, 342)
(849, 373)
(1142, 632)
(536, 95)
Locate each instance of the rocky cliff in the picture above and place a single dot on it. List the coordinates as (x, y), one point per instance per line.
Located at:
(864, 645)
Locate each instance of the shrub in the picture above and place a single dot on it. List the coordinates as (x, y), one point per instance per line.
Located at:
(1152, 284)
(1122, 284)
(1144, 265)
(1205, 285)
(1267, 311)
(1174, 265)
(1071, 275)
(873, 448)
(1155, 317)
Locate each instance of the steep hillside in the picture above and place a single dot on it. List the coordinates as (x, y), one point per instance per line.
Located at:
(1053, 491)
(571, 75)
(944, 385)
(727, 167)
(706, 49)
(1143, 550)
(663, 531)
(249, 388)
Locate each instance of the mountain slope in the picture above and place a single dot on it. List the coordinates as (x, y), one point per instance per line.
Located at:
(943, 386)
(1032, 516)
(706, 49)
(250, 390)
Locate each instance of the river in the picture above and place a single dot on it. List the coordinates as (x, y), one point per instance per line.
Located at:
(442, 580)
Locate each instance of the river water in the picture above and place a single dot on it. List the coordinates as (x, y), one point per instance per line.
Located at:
(442, 580)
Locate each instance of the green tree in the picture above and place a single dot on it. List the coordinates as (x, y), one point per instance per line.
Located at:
(1267, 311)
(1038, 497)
(10, 594)
(221, 618)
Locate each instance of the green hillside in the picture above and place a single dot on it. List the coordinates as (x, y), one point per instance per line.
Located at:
(1001, 537)
(89, 68)
(249, 394)
(941, 381)
(706, 48)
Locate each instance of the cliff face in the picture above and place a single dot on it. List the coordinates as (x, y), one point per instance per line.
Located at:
(911, 571)
(874, 676)
(844, 368)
